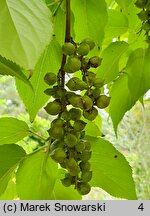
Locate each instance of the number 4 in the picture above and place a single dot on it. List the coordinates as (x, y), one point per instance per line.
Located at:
(141, 207)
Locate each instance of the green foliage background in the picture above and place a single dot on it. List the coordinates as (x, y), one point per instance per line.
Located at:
(33, 49)
(132, 141)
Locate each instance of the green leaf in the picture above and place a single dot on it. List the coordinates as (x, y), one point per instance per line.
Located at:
(136, 38)
(10, 192)
(90, 19)
(111, 171)
(92, 129)
(121, 100)
(138, 70)
(12, 130)
(35, 99)
(10, 156)
(124, 4)
(109, 69)
(25, 31)
(117, 24)
(59, 30)
(9, 68)
(109, 2)
(36, 177)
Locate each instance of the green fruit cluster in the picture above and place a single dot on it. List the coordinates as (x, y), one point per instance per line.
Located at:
(68, 145)
(144, 15)
(76, 56)
(71, 150)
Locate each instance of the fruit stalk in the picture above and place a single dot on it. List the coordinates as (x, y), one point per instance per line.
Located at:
(61, 75)
(67, 36)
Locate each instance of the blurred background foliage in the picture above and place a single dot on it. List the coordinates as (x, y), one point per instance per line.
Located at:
(132, 141)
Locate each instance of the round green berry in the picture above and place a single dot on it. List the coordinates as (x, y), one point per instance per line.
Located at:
(87, 102)
(98, 83)
(57, 122)
(68, 48)
(73, 167)
(141, 3)
(80, 146)
(102, 101)
(66, 115)
(90, 114)
(74, 63)
(83, 188)
(83, 49)
(85, 155)
(50, 92)
(86, 176)
(76, 101)
(85, 166)
(58, 155)
(142, 15)
(95, 61)
(66, 182)
(56, 132)
(79, 125)
(53, 108)
(146, 26)
(50, 78)
(75, 114)
(75, 84)
(87, 145)
(70, 140)
(57, 143)
(89, 42)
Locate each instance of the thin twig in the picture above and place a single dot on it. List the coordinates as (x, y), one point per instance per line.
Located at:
(53, 3)
(37, 135)
(55, 11)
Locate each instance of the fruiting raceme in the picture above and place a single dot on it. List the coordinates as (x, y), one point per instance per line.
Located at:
(67, 132)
